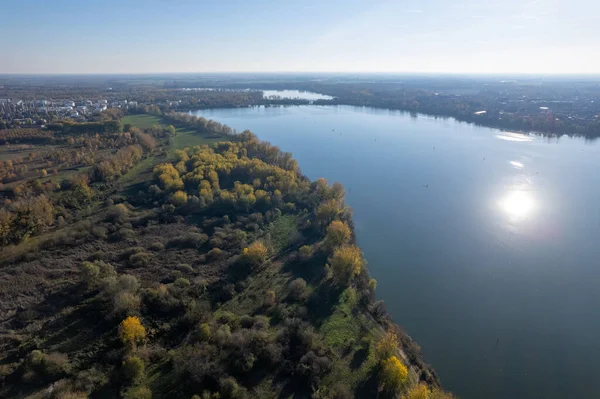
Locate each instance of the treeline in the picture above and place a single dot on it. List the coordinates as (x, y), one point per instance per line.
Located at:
(26, 135)
(66, 127)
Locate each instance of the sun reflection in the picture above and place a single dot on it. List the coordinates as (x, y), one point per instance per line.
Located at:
(518, 204)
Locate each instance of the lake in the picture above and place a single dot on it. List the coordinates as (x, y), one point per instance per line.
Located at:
(484, 243)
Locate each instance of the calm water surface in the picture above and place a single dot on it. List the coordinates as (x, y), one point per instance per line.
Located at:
(484, 244)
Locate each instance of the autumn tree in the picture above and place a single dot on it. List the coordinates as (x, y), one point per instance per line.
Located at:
(393, 374)
(328, 211)
(338, 234)
(256, 253)
(131, 331)
(179, 198)
(346, 262)
(422, 391)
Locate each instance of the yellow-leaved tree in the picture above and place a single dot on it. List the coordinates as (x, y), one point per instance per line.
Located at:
(393, 374)
(131, 331)
(256, 253)
(338, 234)
(179, 198)
(422, 391)
(346, 262)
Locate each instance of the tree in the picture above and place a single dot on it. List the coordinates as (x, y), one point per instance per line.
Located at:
(133, 368)
(298, 289)
(338, 233)
(131, 331)
(387, 346)
(270, 298)
(90, 273)
(393, 374)
(346, 262)
(328, 211)
(422, 391)
(171, 130)
(256, 253)
(179, 198)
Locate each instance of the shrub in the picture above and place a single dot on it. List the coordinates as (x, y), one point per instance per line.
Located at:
(182, 282)
(90, 273)
(306, 252)
(138, 392)
(117, 213)
(215, 254)
(256, 253)
(127, 282)
(340, 390)
(184, 268)
(56, 364)
(35, 358)
(133, 368)
(298, 289)
(188, 240)
(140, 259)
(204, 332)
(126, 303)
(131, 331)
(131, 251)
(99, 232)
(50, 365)
(223, 335)
(393, 374)
(89, 380)
(156, 246)
(229, 388)
(270, 298)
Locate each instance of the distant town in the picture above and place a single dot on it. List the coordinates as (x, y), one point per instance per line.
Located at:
(549, 106)
(32, 113)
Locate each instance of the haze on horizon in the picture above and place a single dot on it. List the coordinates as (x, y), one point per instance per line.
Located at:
(429, 36)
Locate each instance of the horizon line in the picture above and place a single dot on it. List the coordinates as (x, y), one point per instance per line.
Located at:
(302, 72)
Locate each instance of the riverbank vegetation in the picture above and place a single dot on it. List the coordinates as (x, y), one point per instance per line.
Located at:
(216, 270)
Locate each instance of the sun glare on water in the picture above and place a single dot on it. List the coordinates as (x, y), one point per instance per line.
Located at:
(518, 204)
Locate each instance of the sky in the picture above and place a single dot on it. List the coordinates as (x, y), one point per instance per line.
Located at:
(425, 36)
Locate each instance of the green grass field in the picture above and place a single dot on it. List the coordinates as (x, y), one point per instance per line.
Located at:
(142, 121)
(183, 138)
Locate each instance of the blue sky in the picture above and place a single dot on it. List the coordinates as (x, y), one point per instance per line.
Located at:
(426, 36)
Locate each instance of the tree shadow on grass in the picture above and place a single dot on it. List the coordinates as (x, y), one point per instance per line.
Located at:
(359, 358)
(310, 269)
(369, 387)
(323, 301)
